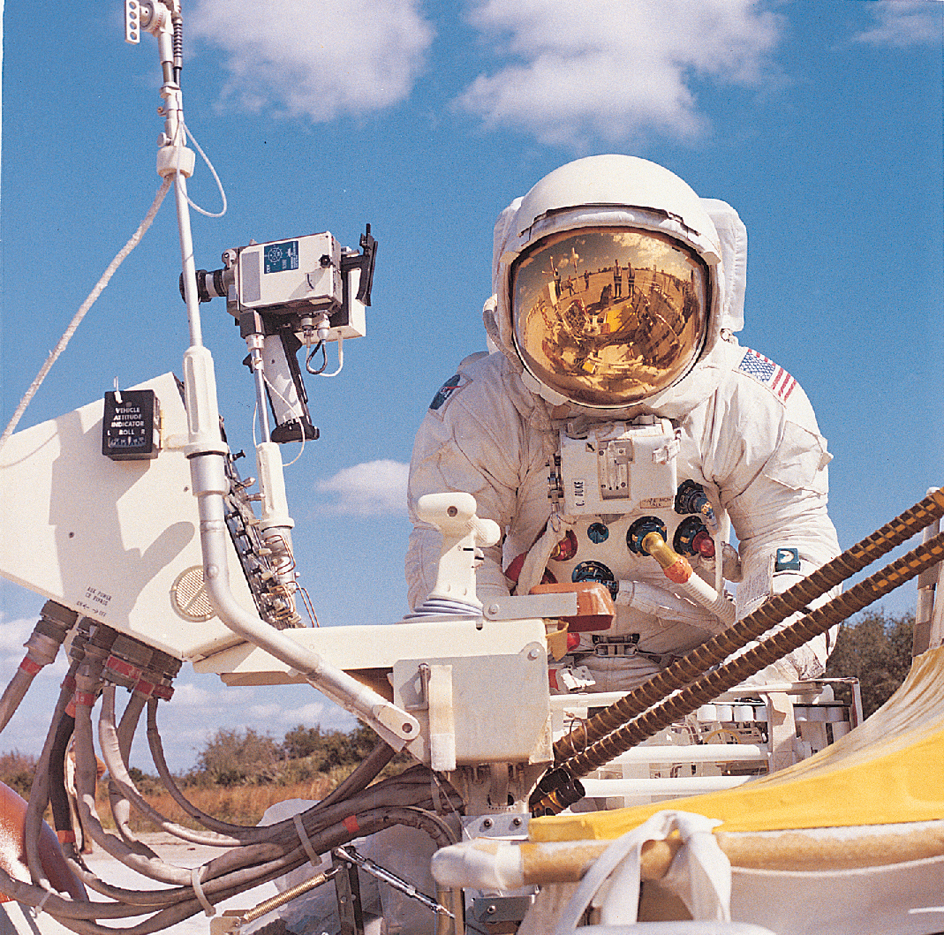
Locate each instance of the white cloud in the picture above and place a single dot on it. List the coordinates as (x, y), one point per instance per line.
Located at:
(904, 23)
(313, 713)
(13, 634)
(279, 718)
(313, 58)
(614, 69)
(186, 694)
(370, 489)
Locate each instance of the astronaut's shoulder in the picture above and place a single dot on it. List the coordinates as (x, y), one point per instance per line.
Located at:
(480, 370)
(757, 376)
(756, 372)
(762, 370)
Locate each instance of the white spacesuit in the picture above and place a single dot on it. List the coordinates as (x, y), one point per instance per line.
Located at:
(613, 360)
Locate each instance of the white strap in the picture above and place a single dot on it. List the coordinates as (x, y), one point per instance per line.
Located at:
(41, 905)
(700, 874)
(208, 907)
(306, 841)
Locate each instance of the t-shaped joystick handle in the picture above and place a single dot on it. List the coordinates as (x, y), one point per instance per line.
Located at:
(453, 514)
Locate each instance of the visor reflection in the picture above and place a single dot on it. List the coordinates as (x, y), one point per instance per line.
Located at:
(608, 317)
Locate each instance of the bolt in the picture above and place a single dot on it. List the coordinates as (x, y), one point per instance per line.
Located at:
(516, 822)
(487, 823)
(533, 654)
(452, 511)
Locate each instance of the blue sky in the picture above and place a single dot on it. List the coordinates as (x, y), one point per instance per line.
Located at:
(819, 120)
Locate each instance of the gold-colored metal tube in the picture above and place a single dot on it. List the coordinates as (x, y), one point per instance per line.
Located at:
(754, 625)
(711, 684)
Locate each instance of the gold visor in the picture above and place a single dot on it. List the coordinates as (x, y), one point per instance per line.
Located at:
(609, 316)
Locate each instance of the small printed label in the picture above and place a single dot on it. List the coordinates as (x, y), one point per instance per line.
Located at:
(656, 503)
(579, 492)
(130, 425)
(280, 257)
(94, 602)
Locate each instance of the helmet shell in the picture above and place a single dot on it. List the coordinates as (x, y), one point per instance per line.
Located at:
(621, 191)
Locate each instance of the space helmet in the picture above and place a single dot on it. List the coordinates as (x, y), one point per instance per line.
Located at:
(609, 281)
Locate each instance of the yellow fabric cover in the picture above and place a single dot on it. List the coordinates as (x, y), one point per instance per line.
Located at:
(888, 770)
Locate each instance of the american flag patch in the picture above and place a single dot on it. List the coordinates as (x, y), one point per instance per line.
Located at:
(767, 372)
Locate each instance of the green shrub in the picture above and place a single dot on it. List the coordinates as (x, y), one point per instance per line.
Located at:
(234, 757)
(875, 649)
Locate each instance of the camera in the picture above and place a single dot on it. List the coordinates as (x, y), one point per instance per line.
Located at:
(295, 293)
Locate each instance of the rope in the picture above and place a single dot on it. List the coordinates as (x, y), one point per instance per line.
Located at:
(219, 184)
(86, 305)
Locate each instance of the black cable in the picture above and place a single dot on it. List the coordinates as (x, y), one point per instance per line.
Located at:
(320, 346)
(58, 796)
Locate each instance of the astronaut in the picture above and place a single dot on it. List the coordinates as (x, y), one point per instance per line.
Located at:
(646, 417)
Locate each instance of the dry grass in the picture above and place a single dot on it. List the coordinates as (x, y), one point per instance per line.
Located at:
(241, 805)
